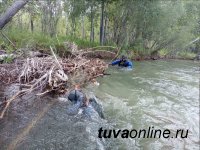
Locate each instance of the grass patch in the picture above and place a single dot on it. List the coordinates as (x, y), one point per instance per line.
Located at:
(163, 52)
(186, 55)
(37, 41)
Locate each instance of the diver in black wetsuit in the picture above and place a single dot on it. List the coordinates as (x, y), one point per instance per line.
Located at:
(123, 62)
(90, 106)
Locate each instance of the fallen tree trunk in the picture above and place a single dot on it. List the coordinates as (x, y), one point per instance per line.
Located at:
(11, 11)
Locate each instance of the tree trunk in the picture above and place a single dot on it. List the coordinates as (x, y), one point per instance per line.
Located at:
(105, 30)
(11, 11)
(67, 21)
(83, 27)
(92, 26)
(73, 26)
(102, 23)
(51, 21)
(32, 26)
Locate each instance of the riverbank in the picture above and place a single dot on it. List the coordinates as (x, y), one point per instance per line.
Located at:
(147, 58)
(96, 52)
(22, 42)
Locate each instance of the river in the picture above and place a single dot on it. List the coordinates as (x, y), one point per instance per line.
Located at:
(162, 94)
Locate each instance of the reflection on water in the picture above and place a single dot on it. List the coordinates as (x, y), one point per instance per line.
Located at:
(163, 94)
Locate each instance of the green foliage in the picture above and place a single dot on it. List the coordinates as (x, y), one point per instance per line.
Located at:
(186, 55)
(82, 43)
(142, 27)
(163, 52)
(41, 41)
(8, 59)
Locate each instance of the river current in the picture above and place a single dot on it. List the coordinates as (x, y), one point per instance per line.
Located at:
(163, 94)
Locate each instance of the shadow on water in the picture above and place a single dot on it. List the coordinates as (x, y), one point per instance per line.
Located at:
(163, 94)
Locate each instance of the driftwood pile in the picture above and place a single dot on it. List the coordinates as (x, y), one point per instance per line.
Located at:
(49, 74)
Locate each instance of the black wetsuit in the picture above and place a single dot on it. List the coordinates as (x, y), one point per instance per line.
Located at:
(77, 97)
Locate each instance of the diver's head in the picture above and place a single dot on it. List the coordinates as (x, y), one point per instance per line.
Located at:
(123, 58)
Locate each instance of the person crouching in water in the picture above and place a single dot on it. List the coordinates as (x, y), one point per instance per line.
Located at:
(122, 62)
(90, 107)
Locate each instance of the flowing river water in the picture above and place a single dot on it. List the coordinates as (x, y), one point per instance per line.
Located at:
(163, 94)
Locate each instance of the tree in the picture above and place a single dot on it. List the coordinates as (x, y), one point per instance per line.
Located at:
(103, 4)
(51, 11)
(75, 9)
(11, 11)
(92, 5)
